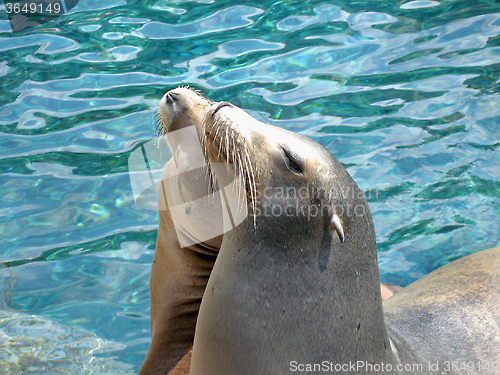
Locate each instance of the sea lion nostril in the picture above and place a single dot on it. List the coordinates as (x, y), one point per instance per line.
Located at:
(172, 97)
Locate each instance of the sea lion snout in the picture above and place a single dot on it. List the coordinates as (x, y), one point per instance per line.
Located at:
(172, 96)
(180, 108)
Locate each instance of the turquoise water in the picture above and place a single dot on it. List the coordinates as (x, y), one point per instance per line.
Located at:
(404, 94)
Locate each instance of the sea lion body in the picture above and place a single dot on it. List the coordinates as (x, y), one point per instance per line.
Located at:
(301, 287)
(450, 317)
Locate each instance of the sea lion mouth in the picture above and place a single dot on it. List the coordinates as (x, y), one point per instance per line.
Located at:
(221, 105)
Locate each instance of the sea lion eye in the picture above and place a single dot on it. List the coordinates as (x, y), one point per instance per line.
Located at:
(291, 162)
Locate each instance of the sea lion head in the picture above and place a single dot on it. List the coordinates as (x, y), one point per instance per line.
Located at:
(180, 108)
(289, 179)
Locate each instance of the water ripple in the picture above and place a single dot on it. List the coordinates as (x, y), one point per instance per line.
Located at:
(223, 20)
(36, 345)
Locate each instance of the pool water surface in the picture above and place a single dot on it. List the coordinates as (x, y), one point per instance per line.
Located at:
(404, 93)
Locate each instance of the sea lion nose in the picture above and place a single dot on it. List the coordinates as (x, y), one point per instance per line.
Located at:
(171, 97)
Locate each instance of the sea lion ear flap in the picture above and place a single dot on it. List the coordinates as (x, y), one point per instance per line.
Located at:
(336, 224)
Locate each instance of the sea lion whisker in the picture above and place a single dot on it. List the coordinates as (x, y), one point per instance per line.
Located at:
(227, 143)
(240, 174)
(219, 138)
(218, 128)
(209, 174)
(253, 189)
(244, 176)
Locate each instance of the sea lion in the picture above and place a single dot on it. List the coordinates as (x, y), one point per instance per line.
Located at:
(297, 291)
(298, 281)
(179, 273)
(320, 302)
